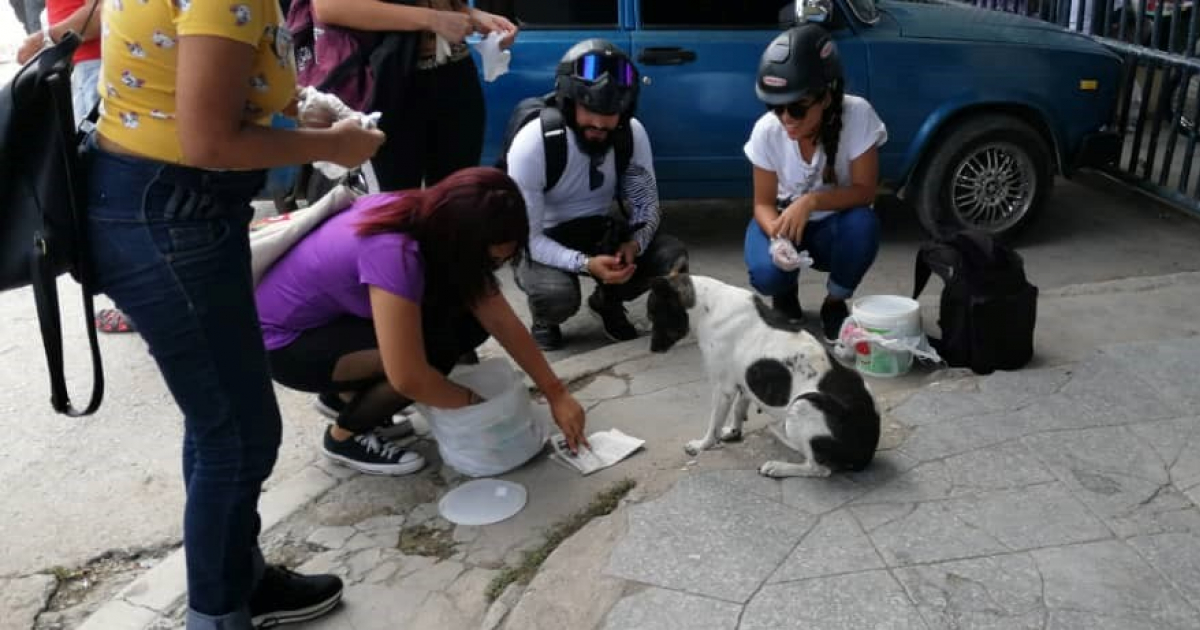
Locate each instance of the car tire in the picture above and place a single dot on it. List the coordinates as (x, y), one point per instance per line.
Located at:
(991, 172)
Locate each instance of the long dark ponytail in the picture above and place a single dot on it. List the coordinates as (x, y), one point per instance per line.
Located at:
(831, 129)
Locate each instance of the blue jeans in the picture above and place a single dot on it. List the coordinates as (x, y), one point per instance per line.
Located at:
(843, 243)
(170, 247)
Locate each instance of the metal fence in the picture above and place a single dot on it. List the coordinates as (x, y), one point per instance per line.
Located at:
(1160, 97)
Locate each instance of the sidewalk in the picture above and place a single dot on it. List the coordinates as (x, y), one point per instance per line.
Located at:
(1061, 496)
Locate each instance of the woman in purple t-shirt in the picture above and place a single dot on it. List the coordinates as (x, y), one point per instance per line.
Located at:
(375, 306)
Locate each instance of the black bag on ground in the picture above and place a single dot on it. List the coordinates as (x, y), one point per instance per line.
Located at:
(43, 229)
(988, 308)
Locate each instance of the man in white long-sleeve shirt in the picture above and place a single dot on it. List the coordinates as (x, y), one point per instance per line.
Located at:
(572, 229)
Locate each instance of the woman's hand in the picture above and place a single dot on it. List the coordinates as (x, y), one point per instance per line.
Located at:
(569, 417)
(791, 222)
(491, 23)
(451, 25)
(354, 145)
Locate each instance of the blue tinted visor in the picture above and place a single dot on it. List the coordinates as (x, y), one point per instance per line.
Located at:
(593, 66)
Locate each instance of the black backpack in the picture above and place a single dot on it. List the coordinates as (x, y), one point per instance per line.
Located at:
(554, 138)
(988, 308)
(43, 228)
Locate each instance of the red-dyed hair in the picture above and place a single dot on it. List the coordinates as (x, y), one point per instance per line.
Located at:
(454, 222)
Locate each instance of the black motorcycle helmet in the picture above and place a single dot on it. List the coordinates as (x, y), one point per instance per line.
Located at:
(599, 76)
(802, 60)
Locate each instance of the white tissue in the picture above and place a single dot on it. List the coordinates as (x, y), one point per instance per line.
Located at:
(495, 60)
(441, 50)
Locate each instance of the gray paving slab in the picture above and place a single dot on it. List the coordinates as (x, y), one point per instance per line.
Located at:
(984, 524)
(708, 538)
(836, 545)
(1120, 478)
(1177, 445)
(1168, 367)
(1009, 465)
(1177, 558)
(998, 593)
(818, 496)
(1107, 580)
(954, 437)
(871, 599)
(658, 609)
(1119, 388)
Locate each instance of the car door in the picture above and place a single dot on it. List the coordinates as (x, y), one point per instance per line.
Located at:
(548, 29)
(698, 62)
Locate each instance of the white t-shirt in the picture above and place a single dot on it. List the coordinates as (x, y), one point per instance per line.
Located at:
(572, 197)
(770, 149)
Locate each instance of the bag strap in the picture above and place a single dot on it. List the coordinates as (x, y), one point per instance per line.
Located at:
(45, 294)
(554, 142)
(921, 274)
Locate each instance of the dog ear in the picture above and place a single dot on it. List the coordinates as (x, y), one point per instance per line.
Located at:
(679, 266)
(661, 285)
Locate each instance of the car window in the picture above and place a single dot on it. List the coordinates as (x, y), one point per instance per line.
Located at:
(711, 14)
(554, 13)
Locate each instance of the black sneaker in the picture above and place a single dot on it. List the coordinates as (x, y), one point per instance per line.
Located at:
(368, 454)
(548, 336)
(612, 317)
(789, 304)
(329, 404)
(833, 313)
(283, 596)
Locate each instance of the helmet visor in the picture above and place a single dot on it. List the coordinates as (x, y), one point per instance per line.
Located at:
(592, 67)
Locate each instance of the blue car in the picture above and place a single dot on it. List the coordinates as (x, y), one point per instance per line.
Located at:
(983, 108)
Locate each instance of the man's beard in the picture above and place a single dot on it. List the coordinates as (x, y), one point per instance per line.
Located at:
(594, 147)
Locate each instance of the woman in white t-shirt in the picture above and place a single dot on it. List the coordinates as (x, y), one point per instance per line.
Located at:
(801, 194)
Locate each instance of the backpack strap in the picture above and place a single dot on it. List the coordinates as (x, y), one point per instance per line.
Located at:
(935, 257)
(554, 143)
(920, 274)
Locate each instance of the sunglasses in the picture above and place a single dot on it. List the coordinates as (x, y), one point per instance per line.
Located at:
(796, 110)
(593, 67)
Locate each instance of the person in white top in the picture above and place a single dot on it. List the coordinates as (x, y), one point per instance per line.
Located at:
(816, 169)
(570, 163)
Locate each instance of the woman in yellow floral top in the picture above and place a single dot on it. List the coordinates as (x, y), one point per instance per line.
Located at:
(434, 120)
(188, 88)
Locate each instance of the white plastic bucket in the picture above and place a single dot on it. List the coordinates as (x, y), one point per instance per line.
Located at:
(492, 437)
(890, 317)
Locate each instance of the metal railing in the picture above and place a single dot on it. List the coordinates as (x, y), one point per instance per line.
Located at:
(1160, 97)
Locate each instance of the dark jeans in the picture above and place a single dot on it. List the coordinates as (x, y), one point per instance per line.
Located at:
(307, 363)
(554, 295)
(844, 244)
(170, 247)
(434, 125)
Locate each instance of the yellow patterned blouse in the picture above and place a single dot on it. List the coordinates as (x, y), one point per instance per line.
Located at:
(137, 84)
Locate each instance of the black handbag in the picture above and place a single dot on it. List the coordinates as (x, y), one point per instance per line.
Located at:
(43, 226)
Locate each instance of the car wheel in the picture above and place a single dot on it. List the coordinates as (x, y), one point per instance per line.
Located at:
(991, 173)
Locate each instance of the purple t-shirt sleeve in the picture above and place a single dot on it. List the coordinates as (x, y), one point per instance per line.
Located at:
(392, 262)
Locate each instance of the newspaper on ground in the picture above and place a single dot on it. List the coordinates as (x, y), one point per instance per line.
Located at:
(608, 448)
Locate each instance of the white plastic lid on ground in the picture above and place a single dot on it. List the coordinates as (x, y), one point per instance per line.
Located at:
(482, 502)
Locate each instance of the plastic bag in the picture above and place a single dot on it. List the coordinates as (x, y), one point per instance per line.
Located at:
(785, 256)
(319, 108)
(492, 437)
(852, 335)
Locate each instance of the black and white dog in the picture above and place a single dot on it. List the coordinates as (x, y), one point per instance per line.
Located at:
(752, 353)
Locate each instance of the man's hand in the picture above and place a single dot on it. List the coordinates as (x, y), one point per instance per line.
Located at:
(29, 47)
(487, 23)
(610, 270)
(627, 253)
(791, 222)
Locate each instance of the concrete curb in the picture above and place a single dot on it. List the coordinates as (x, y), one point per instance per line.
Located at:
(149, 601)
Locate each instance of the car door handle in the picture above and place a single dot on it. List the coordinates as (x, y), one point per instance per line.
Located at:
(673, 56)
